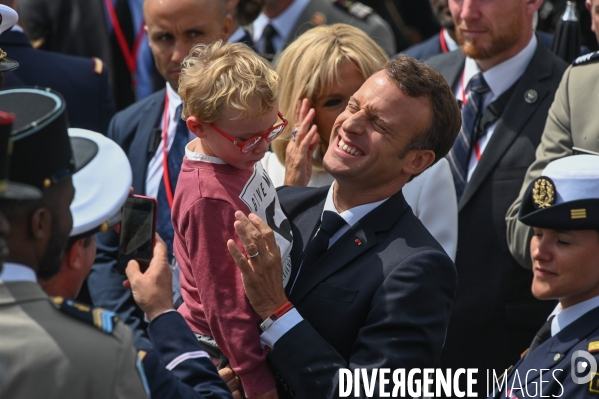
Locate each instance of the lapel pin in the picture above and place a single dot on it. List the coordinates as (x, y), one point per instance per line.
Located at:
(358, 241)
(531, 96)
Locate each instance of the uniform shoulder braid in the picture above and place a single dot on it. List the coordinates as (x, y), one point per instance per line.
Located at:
(355, 8)
(586, 59)
(102, 319)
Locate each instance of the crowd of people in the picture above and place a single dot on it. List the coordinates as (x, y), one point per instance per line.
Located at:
(328, 197)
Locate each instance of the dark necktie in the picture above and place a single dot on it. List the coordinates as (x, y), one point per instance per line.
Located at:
(471, 131)
(543, 335)
(269, 48)
(164, 225)
(331, 223)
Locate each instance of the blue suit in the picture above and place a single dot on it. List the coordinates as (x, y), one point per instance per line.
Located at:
(247, 39)
(554, 356)
(192, 374)
(87, 94)
(134, 130)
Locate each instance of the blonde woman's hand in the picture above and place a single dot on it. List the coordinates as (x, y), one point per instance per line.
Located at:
(304, 140)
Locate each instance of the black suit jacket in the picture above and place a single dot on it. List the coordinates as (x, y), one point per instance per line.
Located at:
(495, 315)
(133, 129)
(383, 301)
(87, 94)
(426, 49)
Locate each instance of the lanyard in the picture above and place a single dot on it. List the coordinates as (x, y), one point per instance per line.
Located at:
(477, 151)
(444, 47)
(165, 171)
(130, 55)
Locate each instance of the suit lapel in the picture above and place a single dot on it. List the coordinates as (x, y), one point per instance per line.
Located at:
(345, 249)
(149, 119)
(453, 65)
(513, 120)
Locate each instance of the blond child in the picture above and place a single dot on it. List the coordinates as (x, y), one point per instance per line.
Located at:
(230, 102)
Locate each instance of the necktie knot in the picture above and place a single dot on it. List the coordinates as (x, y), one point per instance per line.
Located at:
(269, 32)
(478, 84)
(331, 223)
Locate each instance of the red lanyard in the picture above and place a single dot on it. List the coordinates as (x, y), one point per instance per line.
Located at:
(477, 151)
(444, 47)
(165, 172)
(130, 55)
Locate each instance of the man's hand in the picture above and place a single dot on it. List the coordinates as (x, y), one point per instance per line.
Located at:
(232, 380)
(152, 290)
(261, 275)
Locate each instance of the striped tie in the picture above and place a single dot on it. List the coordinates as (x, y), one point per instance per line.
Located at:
(459, 156)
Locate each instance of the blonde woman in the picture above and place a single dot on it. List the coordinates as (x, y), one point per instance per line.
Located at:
(319, 72)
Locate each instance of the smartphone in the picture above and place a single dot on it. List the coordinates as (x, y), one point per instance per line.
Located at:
(138, 232)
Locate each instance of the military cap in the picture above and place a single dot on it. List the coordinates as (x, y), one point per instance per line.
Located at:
(102, 181)
(10, 189)
(565, 196)
(8, 18)
(42, 154)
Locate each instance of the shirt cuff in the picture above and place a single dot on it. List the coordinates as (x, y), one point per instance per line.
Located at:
(280, 327)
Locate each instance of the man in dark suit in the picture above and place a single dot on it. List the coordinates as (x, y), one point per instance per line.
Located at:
(381, 294)
(83, 82)
(507, 81)
(174, 27)
(282, 21)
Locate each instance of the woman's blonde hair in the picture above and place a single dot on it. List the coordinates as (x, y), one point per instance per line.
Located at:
(221, 76)
(310, 67)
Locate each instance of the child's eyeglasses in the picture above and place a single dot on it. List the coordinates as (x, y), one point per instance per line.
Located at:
(247, 145)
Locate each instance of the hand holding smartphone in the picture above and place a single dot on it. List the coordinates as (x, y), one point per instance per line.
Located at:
(138, 228)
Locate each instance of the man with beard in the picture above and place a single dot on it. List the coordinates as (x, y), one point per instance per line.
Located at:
(506, 82)
(52, 349)
(445, 41)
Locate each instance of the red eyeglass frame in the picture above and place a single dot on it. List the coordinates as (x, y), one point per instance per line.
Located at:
(262, 136)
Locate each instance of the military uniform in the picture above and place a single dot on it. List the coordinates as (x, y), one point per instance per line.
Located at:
(47, 353)
(572, 122)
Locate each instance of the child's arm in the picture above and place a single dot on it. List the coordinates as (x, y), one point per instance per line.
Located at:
(207, 226)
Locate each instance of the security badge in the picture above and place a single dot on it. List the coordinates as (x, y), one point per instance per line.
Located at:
(594, 383)
(543, 192)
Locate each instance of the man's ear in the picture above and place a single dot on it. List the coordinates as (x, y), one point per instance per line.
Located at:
(418, 161)
(228, 22)
(75, 255)
(41, 224)
(197, 127)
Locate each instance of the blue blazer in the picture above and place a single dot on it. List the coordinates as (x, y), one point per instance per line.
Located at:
(177, 367)
(555, 355)
(87, 94)
(379, 297)
(133, 129)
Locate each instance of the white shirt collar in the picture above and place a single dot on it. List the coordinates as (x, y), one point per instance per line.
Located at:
(565, 317)
(173, 100)
(353, 215)
(502, 76)
(237, 35)
(17, 28)
(283, 23)
(196, 156)
(17, 272)
(451, 44)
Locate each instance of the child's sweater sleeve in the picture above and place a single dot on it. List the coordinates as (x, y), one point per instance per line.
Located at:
(207, 226)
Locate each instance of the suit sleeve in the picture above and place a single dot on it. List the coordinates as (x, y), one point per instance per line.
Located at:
(178, 367)
(108, 106)
(105, 284)
(556, 143)
(405, 328)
